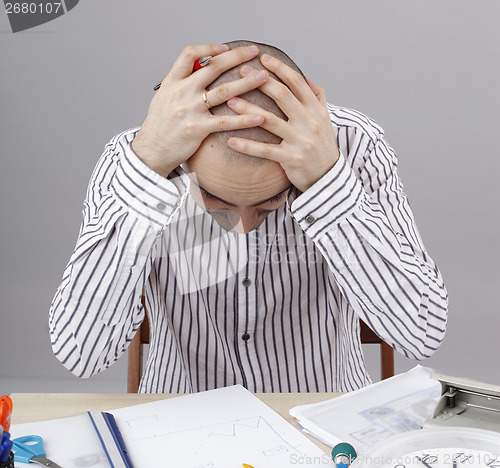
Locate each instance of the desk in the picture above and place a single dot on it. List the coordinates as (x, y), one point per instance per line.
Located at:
(32, 407)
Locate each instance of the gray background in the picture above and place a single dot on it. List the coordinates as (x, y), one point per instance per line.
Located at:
(427, 71)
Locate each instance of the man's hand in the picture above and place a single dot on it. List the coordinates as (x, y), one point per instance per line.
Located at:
(178, 119)
(308, 149)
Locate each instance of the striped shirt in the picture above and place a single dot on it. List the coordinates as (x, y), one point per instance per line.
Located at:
(277, 309)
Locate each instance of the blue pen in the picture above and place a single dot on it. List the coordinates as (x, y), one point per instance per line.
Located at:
(111, 439)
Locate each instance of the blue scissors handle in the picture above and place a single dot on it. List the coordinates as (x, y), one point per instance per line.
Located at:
(27, 447)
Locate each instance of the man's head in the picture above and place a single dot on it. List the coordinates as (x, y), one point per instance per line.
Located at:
(239, 190)
(255, 96)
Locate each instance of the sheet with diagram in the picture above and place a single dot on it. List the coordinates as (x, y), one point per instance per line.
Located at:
(221, 428)
(373, 413)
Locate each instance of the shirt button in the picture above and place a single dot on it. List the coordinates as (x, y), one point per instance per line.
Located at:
(310, 219)
(245, 337)
(246, 282)
(161, 206)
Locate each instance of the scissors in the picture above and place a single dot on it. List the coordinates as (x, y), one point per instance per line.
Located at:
(30, 449)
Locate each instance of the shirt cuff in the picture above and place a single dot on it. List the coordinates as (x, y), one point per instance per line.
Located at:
(330, 200)
(146, 193)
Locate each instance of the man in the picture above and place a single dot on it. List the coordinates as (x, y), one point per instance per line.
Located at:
(261, 253)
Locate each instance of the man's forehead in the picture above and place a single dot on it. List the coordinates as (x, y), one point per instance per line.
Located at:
(224, 170)
(237, 181)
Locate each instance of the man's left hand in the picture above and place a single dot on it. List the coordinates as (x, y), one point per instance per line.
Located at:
(308, 149)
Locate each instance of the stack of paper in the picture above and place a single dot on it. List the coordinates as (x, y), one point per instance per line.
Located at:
(69, 442)
(221, 428)
(373, 413)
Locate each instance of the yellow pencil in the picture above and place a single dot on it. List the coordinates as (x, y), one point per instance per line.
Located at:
(247, 466)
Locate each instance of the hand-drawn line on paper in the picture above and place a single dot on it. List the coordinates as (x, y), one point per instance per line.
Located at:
(275, 444)
(283, 445)
(144, 421)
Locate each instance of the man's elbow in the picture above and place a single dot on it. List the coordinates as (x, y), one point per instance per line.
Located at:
(431, 343)
(72, 360)
(436, 322)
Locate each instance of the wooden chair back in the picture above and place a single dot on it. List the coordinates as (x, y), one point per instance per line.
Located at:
(368, 336)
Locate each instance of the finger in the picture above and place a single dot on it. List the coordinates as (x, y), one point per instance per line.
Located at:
(224, 123)
(318, 91)
(271, 122)
(283, 96)
(183, 66)
(294, 80)
(277, 91)
(256, 148)
(226, 91)
(224, 62)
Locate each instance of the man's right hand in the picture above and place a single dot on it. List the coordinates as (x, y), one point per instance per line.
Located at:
(178, 119)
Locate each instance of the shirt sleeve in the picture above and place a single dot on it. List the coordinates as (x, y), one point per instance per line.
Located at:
(97, 308)
(359, 218)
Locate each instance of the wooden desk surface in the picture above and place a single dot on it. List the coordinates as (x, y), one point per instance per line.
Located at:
(31, 407)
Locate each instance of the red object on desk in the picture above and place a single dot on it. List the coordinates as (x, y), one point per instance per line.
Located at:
(5, 412)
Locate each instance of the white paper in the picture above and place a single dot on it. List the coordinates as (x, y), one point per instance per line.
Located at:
(69, 442)
(221, 428)
(373, 413)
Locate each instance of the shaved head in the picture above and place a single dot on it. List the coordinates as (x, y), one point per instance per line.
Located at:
(255, 97)
(236, 189)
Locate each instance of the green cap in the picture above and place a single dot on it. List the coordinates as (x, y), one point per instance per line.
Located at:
(343, 454)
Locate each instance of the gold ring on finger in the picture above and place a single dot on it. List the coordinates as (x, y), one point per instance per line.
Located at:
(205, 99)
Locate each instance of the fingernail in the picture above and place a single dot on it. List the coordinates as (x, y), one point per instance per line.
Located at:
(224, 47)
(253, 49)
(262, 75)
(232, 102)
(266, 58)
(245, 70)
(257, 119)
(232, 143)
